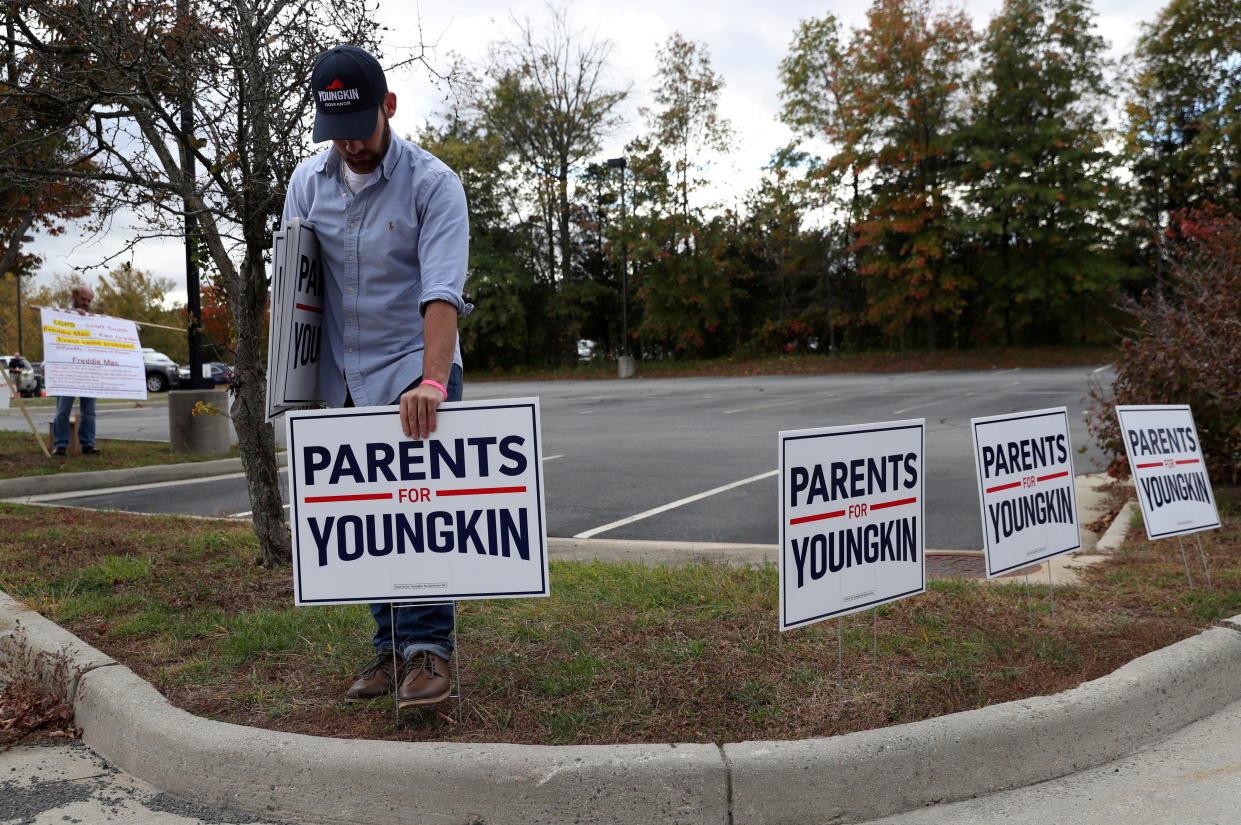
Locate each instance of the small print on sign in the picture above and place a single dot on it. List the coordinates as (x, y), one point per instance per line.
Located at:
(1025, 487)
(1165, 458)
(378, 517)
(851, 519)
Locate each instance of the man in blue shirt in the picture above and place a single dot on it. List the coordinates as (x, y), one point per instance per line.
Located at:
(393, 231)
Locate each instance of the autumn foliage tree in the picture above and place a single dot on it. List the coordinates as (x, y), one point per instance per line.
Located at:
(34, 128)
(889, 100)
(126, 292)
(911, 65)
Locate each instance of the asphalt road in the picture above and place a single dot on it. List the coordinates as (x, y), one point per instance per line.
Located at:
(614, 450)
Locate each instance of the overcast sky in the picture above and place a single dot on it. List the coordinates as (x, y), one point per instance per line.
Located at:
(746, 41)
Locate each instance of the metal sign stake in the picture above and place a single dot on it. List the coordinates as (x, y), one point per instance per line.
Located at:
(840, 657)
(1185, 559)
(1051, 590)
(456, 666)
(1205, 565)
(396, 681)
(874, 644)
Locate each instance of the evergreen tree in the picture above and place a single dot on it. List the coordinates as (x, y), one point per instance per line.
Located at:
(1038, 178)
(1184, 112)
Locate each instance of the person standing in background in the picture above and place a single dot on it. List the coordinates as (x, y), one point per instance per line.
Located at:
(81, 297)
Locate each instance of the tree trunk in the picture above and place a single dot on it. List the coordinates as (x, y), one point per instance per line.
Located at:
(562, 207)
(254, 436)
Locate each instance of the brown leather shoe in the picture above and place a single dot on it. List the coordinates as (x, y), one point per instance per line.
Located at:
(426, 680)
(376, 679)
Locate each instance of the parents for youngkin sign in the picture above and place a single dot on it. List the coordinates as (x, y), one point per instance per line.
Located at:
(377, 516)
(1025, 487)
(1168, 470)
(851, 519)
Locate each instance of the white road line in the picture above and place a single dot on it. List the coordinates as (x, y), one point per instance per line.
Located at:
(1101, 369)
(926, 404)
(552, 457)
(673, 505)
(247, 513)
(129, 488)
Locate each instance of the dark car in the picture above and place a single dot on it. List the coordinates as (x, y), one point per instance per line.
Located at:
(221, 373)
(161, 370)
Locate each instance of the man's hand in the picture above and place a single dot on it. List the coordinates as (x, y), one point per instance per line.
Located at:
(418, 408)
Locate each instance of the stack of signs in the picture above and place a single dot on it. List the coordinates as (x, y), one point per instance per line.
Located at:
(378, 517)
(1166, 461)
(295, 331)
(1025, 486)
(851, 519)
(92, 356)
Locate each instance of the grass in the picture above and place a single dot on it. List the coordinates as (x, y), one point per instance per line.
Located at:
(50, 401)
(910, 361)
(618, 653)
(20, 456)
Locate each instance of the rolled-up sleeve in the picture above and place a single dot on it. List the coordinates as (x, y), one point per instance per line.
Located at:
(444, 242)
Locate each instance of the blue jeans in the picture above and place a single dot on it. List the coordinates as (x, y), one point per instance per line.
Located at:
(419, 626)
(60, 425)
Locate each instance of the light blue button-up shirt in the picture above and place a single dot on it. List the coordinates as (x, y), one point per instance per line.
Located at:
(398, 244)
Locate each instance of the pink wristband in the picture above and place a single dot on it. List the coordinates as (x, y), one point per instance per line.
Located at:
(437, 385)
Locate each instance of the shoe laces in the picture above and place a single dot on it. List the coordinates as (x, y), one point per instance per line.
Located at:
(421, 661)
(382, 661)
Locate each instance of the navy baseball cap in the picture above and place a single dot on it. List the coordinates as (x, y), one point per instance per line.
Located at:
(348, 87)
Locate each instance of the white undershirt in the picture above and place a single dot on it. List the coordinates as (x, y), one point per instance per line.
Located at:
(355, 181)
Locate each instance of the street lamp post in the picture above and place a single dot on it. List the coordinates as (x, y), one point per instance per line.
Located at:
(625, 361)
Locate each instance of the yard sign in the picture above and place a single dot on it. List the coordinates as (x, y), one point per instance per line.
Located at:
(378, 517)
(851, 519)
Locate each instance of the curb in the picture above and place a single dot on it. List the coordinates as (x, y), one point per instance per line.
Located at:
(840, 779)
(1116, 532)
(11, 488)
(877, 773)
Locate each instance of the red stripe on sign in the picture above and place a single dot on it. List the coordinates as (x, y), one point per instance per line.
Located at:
(896, 503)
(307, 307)
(819, 517)
(1004, 487)
(1061, 474)
(1152, 464)
(1187, 461)
(362, 497)
(480, 491)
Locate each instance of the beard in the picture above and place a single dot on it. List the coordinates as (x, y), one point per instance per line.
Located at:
(366, 161)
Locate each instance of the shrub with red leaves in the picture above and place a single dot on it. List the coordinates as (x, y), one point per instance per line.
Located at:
(1186, 346)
